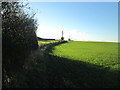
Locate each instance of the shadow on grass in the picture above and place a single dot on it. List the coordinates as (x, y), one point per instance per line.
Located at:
(63, 72)
(50, 71)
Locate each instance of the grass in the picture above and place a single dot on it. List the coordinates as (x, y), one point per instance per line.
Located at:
(70, 65)
(98, 53)
(42, 42)
(84, 64)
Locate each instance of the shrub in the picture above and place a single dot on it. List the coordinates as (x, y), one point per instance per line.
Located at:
(18, 38)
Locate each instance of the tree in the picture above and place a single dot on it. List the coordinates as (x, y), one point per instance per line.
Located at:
(18, 37)
(62, 38)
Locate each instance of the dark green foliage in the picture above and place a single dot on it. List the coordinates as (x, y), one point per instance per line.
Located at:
(69, 39)
(18, 38)
(62, 38)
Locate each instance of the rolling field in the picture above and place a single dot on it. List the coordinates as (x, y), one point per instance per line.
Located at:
(86, 64)
(99, 53)
(74, 65)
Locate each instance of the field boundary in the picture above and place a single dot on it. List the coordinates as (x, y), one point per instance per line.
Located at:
(46, 46)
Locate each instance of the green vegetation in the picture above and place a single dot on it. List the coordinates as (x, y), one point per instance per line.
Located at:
(85, 64)
(99, 53)
(49, 69)
(18, 40)
(73, 64)
(42, 42)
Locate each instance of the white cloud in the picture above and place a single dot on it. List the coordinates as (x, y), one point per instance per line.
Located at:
(76, 35)
(45, 32)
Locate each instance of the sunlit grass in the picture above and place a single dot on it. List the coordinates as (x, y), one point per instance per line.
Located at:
(99, 53)
(42, 42)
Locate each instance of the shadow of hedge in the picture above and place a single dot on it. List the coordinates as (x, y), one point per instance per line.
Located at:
(50, 71)
(63, 72)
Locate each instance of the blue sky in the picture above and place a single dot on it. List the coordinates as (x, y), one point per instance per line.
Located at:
(81, 21)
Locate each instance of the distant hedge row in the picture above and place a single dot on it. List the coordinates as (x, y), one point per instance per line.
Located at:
(52, 44)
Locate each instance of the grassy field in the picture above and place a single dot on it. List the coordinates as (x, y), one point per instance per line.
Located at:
(42, 42)
(85, 64)
(99, 53)
(73, 65)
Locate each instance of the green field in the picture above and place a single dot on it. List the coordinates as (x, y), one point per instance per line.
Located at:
(99, 53)
(73, 64)
(42, 42)
(86, 64)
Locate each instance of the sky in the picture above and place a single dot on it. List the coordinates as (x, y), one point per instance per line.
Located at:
(80, 21)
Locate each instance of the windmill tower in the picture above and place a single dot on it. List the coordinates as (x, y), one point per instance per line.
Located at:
(62, 38)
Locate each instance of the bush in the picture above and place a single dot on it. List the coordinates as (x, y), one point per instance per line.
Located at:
(19, 38)
(62, 38)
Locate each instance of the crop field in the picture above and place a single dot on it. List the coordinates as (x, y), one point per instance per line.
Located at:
(74, 64)
(85, 64)
(99, 53)
(42, 42)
